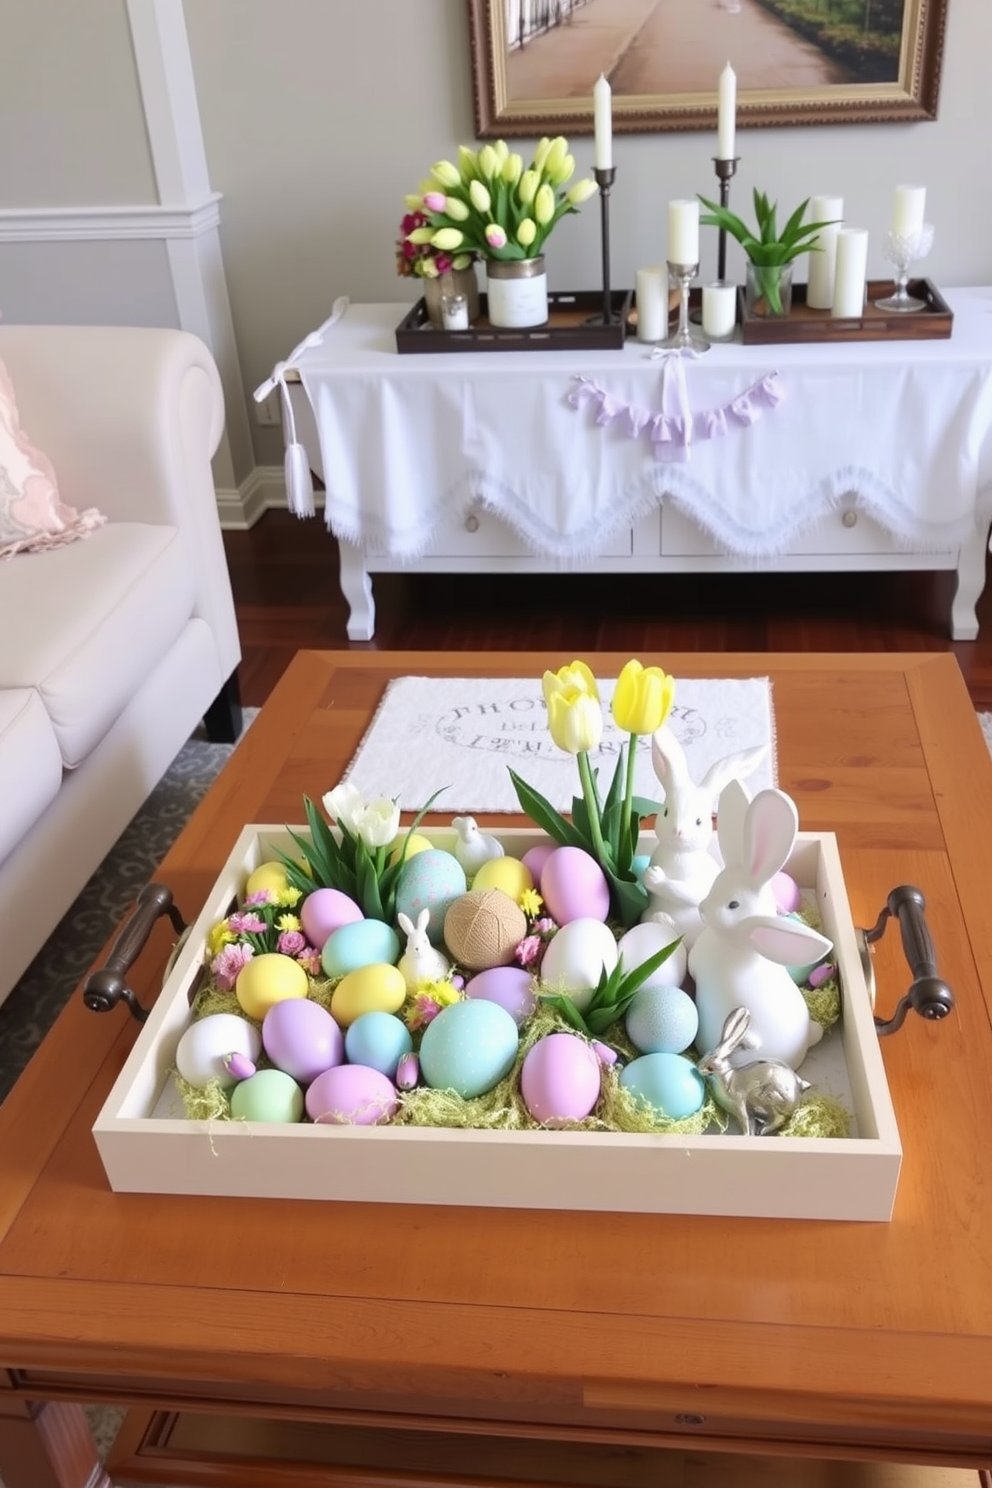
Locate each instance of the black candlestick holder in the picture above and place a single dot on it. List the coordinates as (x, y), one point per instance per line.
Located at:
(604, 180)
(725, 170)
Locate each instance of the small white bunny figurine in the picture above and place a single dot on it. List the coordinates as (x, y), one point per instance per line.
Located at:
(472, 847)
(763, 1093)
(420, 962)
(682, 867)
(741, 955)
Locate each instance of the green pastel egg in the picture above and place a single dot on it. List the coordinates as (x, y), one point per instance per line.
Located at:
(270, 1095)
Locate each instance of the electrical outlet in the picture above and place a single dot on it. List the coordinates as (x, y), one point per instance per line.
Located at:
(269, 411)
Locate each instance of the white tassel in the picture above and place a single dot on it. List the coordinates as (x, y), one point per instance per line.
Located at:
(299, 481)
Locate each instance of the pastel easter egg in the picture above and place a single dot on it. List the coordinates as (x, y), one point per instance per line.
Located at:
(468, 1047)
(661, 1020)
(325, 910)
(509, 874)
(267, 979)
(431, 880)
(270, 1096)
(378, 1040)
(787, 893)
(669, 1083)
(574, 886)
(575, 958)
(267, 876)
(209, 1041)
(351, 1095)
(560, 1079)
(302, 1039)
(535, 858)
(638, 863)
(509, 986)
(415, 843)
(641, 942)
(362, 943)
(379, 988)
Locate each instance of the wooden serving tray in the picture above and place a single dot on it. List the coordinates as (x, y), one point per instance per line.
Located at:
(932, 323)
(566, 329)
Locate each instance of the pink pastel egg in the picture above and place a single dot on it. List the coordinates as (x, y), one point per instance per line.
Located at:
(787, 893)
(574, 886)
(302, 1039)
(325, 910)
(560, 1079)
(535, 858)
(510, 986)
(351, 1095)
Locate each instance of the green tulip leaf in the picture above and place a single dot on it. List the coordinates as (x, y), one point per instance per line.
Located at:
(544, 814)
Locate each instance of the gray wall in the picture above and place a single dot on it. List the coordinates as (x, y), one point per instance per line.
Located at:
(318, 115)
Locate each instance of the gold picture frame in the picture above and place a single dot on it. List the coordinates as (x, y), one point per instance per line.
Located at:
(534, 62)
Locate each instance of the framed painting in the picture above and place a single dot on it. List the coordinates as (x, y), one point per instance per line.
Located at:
(534, 62)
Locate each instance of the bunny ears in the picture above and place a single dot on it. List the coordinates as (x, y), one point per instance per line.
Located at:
(756, 836)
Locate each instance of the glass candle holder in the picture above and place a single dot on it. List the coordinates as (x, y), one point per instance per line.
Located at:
(719, 310)
(901, 250)
(454, 312)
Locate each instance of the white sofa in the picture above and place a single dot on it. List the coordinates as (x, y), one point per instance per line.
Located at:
(115, 647)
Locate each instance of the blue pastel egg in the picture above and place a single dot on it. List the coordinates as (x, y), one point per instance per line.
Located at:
(362, 943)
(638, 863)
(468, 1047)
(662, 1020)
(668, 1082)
(430, 880)
(378, 1040)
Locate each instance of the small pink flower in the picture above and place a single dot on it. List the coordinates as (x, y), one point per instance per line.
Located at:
(247, 924)
(435, 201)
(227, 963)
(424, 1010)
(529, 949)
(310, 961)
(495, 236)
(443, 263)
(545, 926)
(260, 897)
(291, 943)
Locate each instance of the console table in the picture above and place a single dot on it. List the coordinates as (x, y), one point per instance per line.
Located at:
(827, 456)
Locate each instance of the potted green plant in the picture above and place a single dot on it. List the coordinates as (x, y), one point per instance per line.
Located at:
(770, 253)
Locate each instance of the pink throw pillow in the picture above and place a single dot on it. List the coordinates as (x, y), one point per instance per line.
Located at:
(32, 516)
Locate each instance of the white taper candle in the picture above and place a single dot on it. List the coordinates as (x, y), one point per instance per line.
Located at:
(602, 100)
(726, 114)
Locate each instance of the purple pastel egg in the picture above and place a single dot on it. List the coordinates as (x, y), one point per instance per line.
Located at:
(509, 986)
(325, 910)
(560, 1079)
(535, 858)
(787, 893)
(351, 1095)
(302, 1039)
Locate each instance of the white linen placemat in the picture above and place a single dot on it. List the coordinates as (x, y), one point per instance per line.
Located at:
(459, 734)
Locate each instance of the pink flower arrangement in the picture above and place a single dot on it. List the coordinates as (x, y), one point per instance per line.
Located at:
(422, 260)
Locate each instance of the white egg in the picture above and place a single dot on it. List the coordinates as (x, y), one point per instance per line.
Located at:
(641, 942)
(575, 958)
(208, 1042)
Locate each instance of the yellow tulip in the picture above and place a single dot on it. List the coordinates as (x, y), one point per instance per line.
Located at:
(468, 162)
(489, 162)
(446, 175)
(541, 154)
(502, 150)
(544, 204)
(455, 209)
(448, 238)
(580, 192)
(481, 200)
(526, 232)
(513, 167)
(420, 235)
(527, 189)
(575, 717)
(414, 203)
(643, 698)
(562, 172)
(555, 159)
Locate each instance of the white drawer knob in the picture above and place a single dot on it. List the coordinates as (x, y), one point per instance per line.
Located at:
(850, 519)
(471, 523)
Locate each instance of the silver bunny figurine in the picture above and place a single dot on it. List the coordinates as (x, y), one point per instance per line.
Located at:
(760, 1095)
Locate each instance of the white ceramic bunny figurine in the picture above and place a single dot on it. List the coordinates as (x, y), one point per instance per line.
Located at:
(682, 867)
(420, 962)
(740, 958)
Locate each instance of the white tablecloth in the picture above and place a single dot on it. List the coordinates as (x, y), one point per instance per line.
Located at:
(410, 442)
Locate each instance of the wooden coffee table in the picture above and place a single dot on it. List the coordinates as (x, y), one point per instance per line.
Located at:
(262, 1342)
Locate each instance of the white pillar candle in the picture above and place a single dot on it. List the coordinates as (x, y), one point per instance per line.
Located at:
(849, 277)
(602, 100)
(907, 215)
(726, 114)
(652, 304)
(683, 232)
(822, 264)
(719, 310)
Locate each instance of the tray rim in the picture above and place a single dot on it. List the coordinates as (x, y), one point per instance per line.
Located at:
(938, 317)
(415, 336)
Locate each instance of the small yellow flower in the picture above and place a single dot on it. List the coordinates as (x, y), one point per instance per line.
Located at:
(643, 698)
(288, 897)
(287, 922)
(531, 903)
(220, 936)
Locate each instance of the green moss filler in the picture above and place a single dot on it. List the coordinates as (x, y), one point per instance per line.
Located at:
(818, 1116)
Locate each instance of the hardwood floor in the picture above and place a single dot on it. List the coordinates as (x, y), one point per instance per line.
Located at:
(285, 577)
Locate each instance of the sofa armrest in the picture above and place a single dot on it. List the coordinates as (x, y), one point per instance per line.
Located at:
(130, 418)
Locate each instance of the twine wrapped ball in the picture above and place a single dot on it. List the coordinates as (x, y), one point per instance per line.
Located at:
(483, 928)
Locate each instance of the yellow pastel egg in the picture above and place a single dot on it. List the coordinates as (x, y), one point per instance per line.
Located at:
(508, 874)
(267, 979)
(270, 876)
(378, 988)
(417, 844)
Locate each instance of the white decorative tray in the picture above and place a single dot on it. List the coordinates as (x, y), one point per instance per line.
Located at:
(147, 1145)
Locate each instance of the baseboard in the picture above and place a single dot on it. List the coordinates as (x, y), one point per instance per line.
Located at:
(241, 508)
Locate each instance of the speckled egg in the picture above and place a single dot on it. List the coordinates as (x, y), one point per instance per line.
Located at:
(574, 886)
(267, 979)
(378, 1040)
(661, 1020)
(302, 1039)
(641, 942)
(351, 1095)
(668, 1082)
(379, 988)
(510, 986)
(431, 880)
(270, 1096)
(560, 1079)
(325, 910)
(362, 943)
(208, 1042)
(575, 958)
(468, 1048)
(509, 874)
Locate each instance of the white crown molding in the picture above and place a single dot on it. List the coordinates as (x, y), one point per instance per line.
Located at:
(88, 224)
(265, 487)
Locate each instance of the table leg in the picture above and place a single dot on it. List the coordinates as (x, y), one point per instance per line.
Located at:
(47, 1445)
(356, 586)
(971, 582)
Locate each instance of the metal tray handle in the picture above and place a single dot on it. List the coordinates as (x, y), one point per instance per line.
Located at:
(929, 995)
(105, 988)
